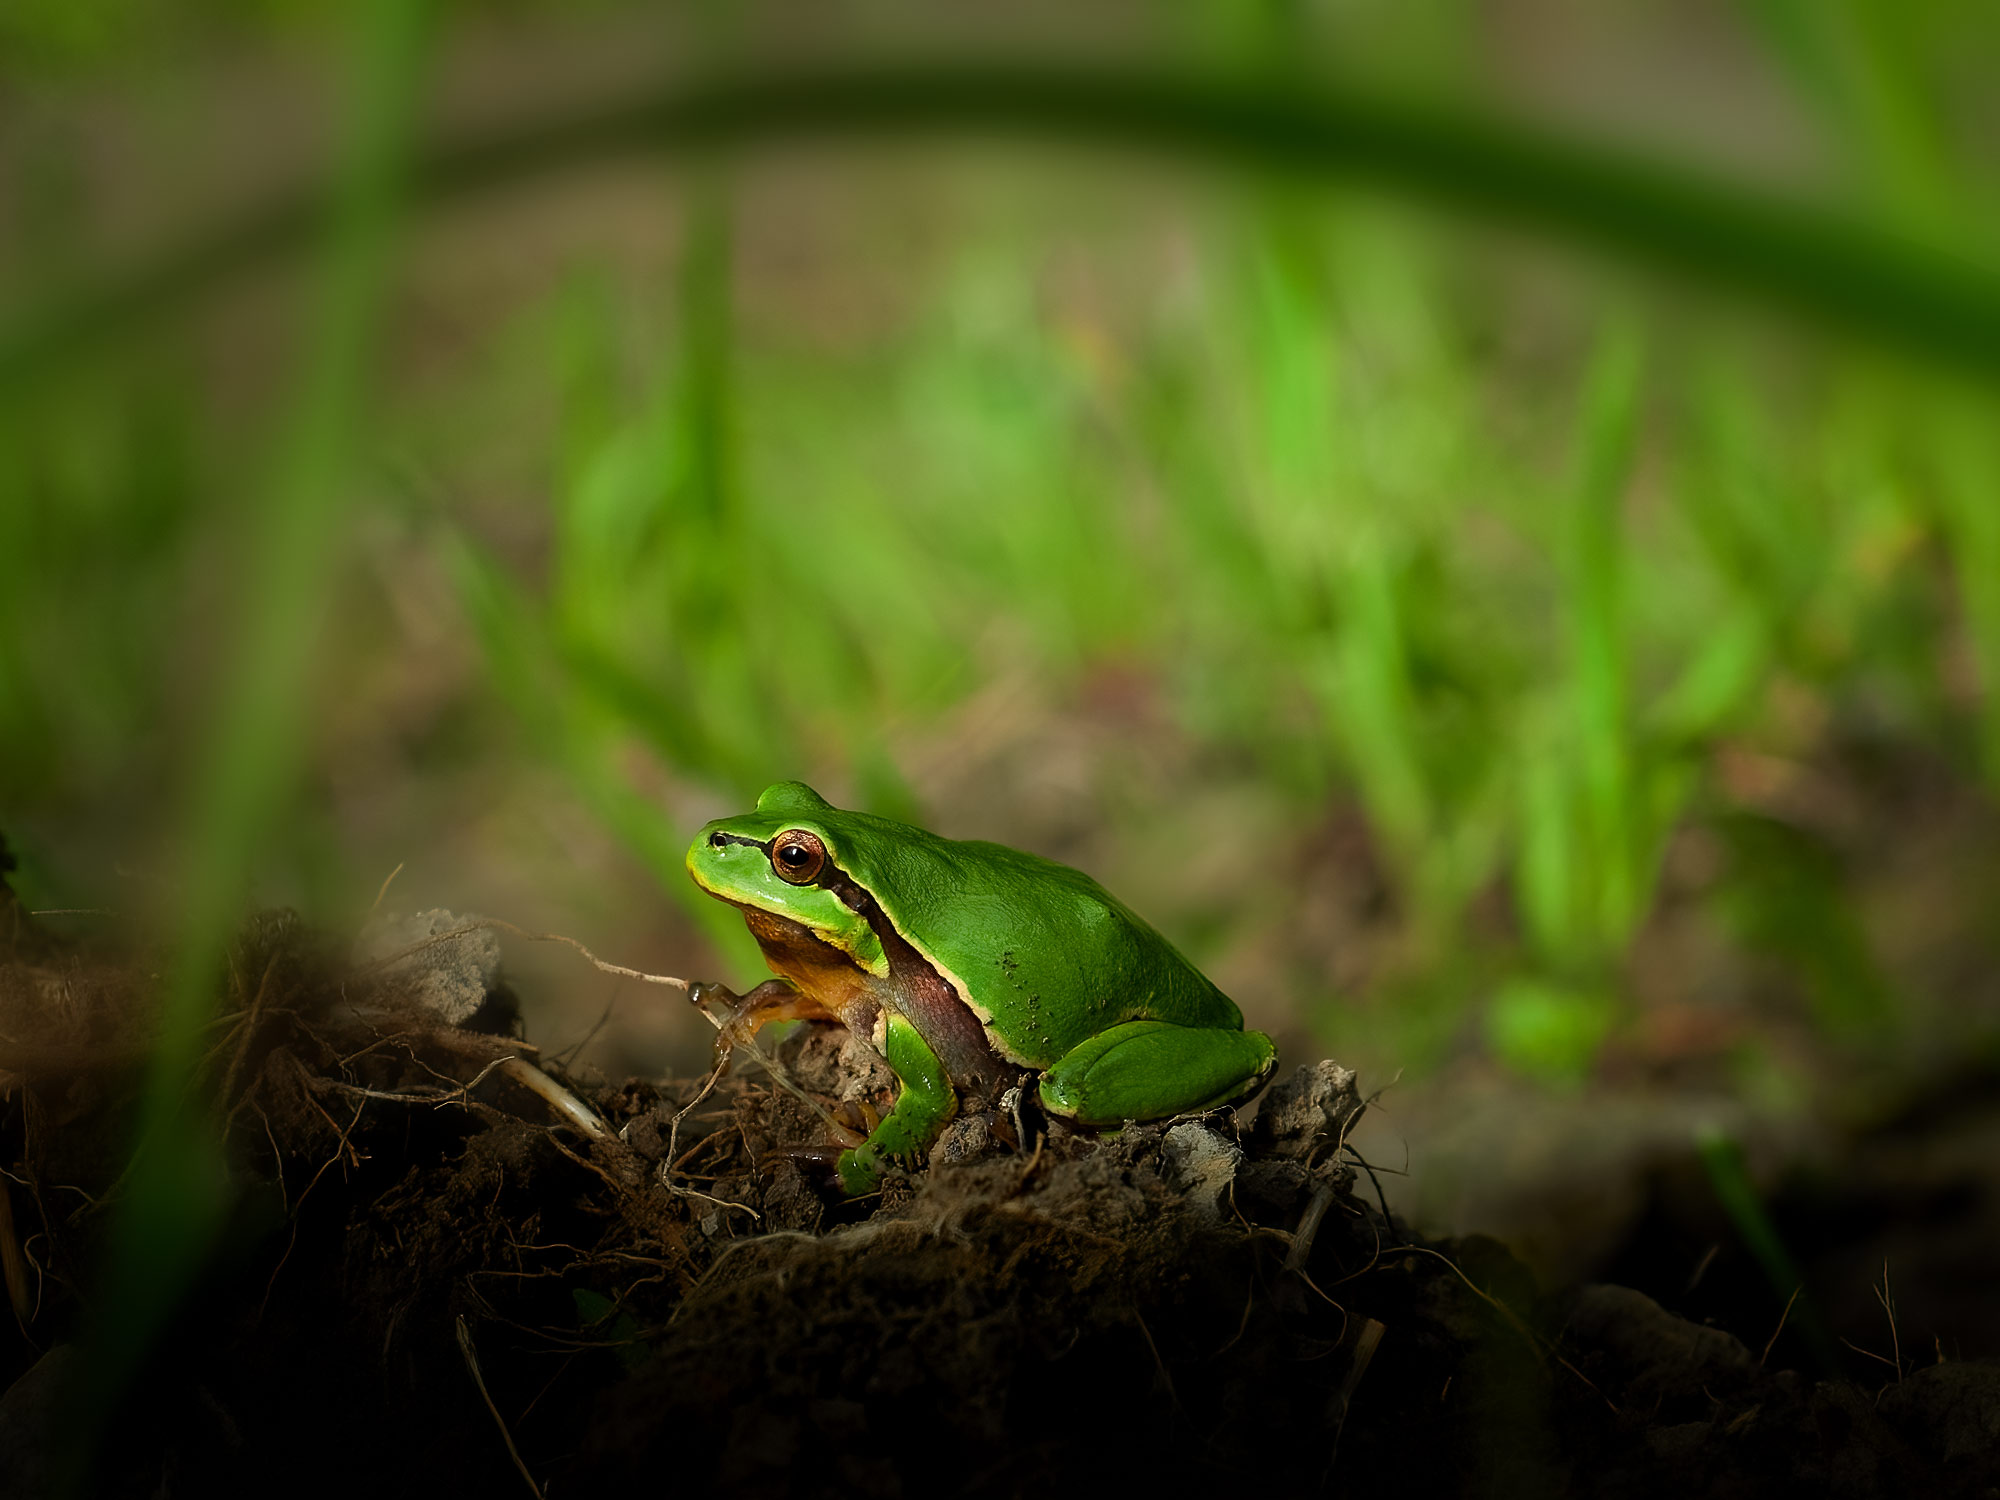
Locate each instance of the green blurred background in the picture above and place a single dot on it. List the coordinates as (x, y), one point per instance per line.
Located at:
(1531, 654)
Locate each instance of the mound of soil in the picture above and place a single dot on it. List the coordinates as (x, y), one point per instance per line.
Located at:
(447, 1266)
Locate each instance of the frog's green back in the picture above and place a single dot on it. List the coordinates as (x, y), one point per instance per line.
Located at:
(1047, 955)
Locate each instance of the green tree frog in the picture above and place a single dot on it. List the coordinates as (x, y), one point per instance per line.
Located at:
(968, 964)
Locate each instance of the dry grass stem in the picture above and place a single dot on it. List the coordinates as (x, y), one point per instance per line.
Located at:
(1883, 1296)
(465, 1347)
(1772, 1341)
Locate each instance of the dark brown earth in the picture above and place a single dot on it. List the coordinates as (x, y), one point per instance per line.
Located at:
(425, 1284)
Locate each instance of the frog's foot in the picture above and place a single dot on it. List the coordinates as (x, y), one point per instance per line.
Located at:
(773, 1000)
(861, 1169)
(1148, 1070)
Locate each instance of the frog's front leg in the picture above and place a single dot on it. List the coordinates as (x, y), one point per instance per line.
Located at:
(925, 1101)
(773, 1000)
(1148, 1070)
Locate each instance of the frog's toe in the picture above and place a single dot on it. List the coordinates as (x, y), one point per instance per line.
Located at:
(746, 1015)
(859, 1170)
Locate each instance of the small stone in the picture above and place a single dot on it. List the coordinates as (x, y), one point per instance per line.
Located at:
(1202, 1164)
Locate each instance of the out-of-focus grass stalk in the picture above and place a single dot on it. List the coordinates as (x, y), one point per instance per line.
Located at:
(1598, 646)
(579, 730)
(1722, 1159)
(175, 1190)
(645, 531)
(1576, 874)
(1967, 484)
(1857, 62)
(1821, 262)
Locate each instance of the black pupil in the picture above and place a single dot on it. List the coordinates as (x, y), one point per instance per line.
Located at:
(717, 840)
(794, 855)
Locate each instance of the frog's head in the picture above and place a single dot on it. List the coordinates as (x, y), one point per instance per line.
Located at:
(783, 860)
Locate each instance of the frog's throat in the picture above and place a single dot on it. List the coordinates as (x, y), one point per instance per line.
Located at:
(913, 986)
(819, 970)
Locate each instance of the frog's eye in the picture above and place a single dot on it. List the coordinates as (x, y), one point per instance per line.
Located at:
(798, 856)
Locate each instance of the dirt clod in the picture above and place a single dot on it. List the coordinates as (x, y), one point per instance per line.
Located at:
(1307, 1113)
(443, 962)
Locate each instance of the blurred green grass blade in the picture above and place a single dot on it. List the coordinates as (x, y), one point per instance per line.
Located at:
(1786, 896)
(1966, 461)
(647, 610)
(1329, 517)
(1598, 646)
(176, 1188)
(643, 628)
(1548, 1031)
(99, 487)
(1722, 1159)
(1583, 845)
(579, 722)
(706, 318)
(1549, 882)
(609, 516)
(1816, 261)
(1855, 58)
(1730, 661)
(1373, 713)
(1747, 503)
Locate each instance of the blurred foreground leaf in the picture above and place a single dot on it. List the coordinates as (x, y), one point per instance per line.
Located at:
(175, 1190)
(1822, 262)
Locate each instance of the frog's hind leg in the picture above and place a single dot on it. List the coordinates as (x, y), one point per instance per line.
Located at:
(1147, 1070)
(924, 1102)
